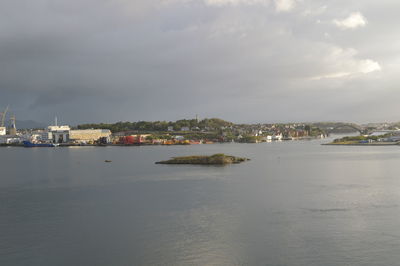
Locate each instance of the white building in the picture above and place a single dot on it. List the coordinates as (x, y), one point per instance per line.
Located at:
(277, 137)
(267, 138)
(3, 131)
(58, 134)
(8, 139)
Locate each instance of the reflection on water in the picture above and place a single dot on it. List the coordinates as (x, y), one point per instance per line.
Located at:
(294, 203)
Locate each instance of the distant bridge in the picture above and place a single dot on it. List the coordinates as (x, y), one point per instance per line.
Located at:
(361, 130)
(384, 131)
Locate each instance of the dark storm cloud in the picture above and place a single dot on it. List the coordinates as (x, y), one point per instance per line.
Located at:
(242, 60)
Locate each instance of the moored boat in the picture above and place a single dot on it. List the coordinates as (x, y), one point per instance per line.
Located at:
(29, 144)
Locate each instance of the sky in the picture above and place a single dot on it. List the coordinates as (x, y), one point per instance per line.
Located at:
(244, 61)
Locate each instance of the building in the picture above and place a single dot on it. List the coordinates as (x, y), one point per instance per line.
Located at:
(36, 136)
(277, 137)
(133, 139)
(57, 134)
(267, 138)
(89, 135)
(3, 131)
(8, 139)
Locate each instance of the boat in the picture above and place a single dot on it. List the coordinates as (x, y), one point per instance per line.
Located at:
(29, 144)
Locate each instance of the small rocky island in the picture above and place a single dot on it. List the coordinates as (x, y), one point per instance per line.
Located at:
(216, 159)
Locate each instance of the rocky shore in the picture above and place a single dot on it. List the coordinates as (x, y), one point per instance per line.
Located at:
(216, 159)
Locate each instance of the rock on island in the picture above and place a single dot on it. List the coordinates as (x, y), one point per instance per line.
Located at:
(216, 159)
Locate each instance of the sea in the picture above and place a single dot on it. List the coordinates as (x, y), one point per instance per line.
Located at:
(294, 203)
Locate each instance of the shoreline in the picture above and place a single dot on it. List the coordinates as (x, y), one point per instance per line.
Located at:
(150, 144)
(361, 144)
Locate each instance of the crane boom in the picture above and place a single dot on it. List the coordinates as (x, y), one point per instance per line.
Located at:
(3, 116)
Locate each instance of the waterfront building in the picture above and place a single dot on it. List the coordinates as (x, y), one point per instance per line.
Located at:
(58, 134)
(89, 135)
(3, 131)
(277, 137)
(8, 139)
(133, 139)
(267, 138)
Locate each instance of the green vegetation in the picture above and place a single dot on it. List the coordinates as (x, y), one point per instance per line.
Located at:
(359, 139)
(250, 139)
(214, 129)
(200, 136)
(145, 126)
(216, 159)
(314, 131)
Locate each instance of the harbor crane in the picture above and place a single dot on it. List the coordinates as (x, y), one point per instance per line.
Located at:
(3, 116)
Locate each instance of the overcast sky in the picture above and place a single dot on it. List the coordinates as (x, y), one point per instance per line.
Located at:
(240, 60)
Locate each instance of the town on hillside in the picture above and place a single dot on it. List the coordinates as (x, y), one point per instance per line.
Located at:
(181, 132)
(188, 131)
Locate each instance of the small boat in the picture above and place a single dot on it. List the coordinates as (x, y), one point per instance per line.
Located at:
(29, 144)
(107, 161)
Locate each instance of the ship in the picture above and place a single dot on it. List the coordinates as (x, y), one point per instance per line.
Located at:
(29, 144)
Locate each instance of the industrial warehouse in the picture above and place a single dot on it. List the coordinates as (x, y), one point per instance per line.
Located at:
(55, 136)
(64, 136)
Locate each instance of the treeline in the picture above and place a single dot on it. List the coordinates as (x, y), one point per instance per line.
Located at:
(143, 126)
(314, 131)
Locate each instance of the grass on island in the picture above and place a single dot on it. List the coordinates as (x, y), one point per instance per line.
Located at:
(344, 142)
(216, 159)
(365, 140)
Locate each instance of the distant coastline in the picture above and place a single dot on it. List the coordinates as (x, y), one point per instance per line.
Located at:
(361, 144)
(375, 139)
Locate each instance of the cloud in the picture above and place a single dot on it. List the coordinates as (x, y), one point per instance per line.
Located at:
(236, 2)
(343, 63)
(284, 5)
(110, 60)
(367, 66)
(353, 21)
(280, 5)
(315, 11)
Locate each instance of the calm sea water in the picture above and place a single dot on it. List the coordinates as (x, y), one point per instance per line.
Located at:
(294, 203)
